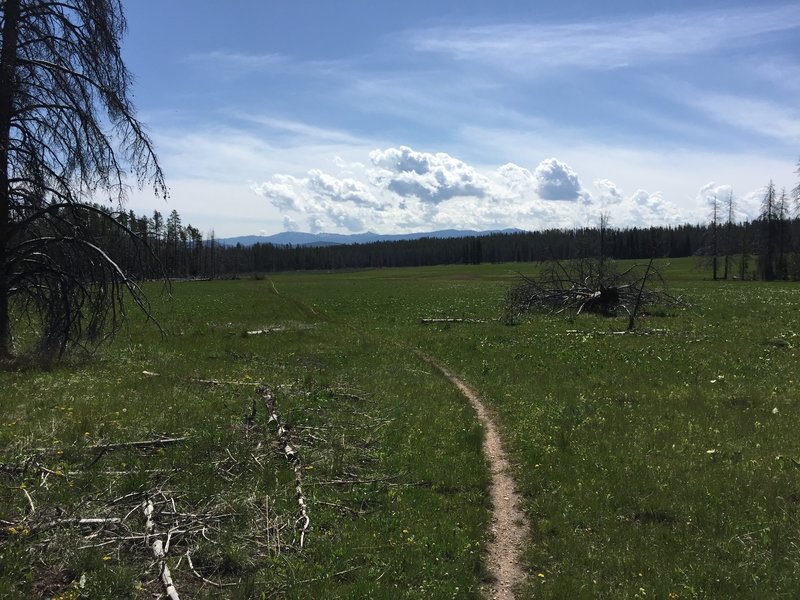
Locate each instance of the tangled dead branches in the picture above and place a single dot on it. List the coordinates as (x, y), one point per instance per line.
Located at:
(589, 285)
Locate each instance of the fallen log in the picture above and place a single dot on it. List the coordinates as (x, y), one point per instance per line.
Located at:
(86, 521)
(639, 332)
(159, 551)
(267, 330)
(225, 382)
(157, 443)
(291, 455)
(428, 321)
(103, 448)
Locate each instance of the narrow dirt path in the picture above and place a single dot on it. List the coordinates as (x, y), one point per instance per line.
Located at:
(509, 524)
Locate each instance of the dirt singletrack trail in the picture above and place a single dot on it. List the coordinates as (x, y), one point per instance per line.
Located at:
(509, 523)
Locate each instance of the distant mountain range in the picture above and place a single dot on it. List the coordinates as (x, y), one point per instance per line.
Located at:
(298, 238)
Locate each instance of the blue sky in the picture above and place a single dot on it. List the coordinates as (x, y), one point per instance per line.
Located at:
(414, 116)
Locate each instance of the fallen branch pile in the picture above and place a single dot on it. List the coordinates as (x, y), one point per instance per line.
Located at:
(190, 535)
(595, 286)
(188, 527)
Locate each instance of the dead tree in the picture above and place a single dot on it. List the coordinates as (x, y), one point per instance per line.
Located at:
(586, 286)
(68, 136)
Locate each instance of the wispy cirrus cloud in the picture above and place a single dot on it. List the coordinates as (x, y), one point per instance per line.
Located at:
(763, 117)
(238, 60)
(238, 63)
(781, 72)
(300, 130)
(609, 44)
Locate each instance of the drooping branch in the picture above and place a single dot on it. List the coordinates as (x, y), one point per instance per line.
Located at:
(71, 287)
(68, 136)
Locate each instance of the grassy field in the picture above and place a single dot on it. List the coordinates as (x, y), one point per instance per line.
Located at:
(652, 466)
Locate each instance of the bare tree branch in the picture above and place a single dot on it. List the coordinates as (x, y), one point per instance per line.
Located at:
(68, 136)
(588, 286)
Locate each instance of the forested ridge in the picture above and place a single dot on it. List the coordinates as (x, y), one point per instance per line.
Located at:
(183, 251)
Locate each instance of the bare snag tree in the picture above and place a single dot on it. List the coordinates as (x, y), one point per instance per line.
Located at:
(69, 137)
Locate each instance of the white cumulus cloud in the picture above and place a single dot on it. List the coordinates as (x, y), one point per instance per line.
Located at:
(640, 209)
(652, 209)
(404, 190)
(289, 224)
(744, 208)
(432, 178)
(324, 200)
(517, 179)
(556, 180)
(609, 193)
(344, 190)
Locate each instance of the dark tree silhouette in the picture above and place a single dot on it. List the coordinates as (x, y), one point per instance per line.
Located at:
(713, 231)
(796, 191)
(769, 233)
(68, 136)
(729, 207)
(783, 211)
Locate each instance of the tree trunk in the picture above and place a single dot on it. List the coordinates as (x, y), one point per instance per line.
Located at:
(8, 63)
(745, 250)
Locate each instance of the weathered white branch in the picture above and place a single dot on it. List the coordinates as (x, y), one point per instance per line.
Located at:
(427, 321)
(140, 444)
(225, 382)
(30, 500)
(267, 330)
(292, 456)
(158, 551)
(86, 521)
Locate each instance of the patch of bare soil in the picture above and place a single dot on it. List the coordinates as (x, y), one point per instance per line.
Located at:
(509, 524)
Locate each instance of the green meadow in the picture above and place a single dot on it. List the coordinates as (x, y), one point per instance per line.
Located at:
(663, 463)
